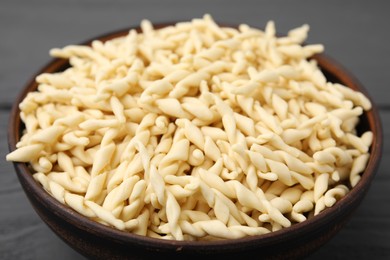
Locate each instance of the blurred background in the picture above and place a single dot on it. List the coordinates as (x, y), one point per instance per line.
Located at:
(356, 33)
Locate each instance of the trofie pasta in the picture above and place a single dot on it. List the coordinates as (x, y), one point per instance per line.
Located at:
(194, 131)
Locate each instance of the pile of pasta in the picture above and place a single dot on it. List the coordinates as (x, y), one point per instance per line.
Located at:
(194, 131)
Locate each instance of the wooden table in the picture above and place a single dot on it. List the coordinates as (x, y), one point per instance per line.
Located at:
(355, 32)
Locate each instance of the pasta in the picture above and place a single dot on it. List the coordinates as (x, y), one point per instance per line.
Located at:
(194, 131)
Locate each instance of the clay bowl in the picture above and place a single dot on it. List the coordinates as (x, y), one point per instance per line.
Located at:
(97, 241)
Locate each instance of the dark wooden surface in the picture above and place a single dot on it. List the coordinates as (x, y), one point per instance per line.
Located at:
(354, 32)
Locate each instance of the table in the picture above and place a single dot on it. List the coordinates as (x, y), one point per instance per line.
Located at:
(355, 32)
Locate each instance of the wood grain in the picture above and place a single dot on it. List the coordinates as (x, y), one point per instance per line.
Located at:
(352, 31)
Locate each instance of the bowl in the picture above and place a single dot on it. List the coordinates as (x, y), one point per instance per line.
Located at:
(97, 241)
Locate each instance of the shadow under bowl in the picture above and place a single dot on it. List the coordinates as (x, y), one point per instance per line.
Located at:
(97, 241)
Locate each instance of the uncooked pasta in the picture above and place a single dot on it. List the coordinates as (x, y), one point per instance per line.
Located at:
(194, 131)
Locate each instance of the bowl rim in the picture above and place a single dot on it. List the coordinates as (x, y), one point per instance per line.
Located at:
(326, 63)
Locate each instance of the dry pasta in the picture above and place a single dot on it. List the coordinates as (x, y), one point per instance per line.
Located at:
(194, 131)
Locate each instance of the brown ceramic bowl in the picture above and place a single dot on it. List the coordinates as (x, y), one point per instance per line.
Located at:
(97, 241)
